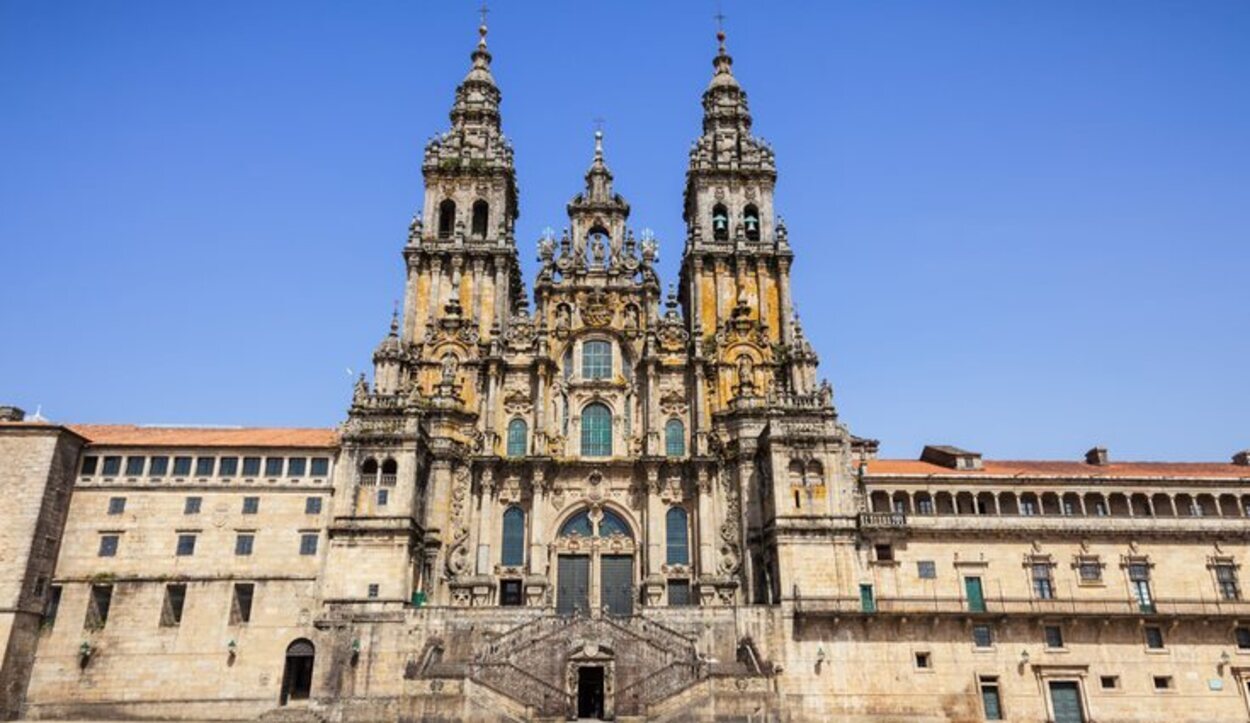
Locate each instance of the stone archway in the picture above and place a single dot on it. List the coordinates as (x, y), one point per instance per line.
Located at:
(590, 676)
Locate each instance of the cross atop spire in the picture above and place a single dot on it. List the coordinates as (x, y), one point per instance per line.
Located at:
(481, 29)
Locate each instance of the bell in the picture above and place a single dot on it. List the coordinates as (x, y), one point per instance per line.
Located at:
(719, 222)
(752, 222)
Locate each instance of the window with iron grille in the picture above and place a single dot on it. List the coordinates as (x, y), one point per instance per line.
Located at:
(596, 360)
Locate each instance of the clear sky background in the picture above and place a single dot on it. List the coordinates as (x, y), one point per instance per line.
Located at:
(1022, 228)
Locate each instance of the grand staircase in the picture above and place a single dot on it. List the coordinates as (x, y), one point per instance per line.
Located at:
(535, 663)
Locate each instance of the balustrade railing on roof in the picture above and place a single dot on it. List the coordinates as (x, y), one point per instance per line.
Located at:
(991, 607)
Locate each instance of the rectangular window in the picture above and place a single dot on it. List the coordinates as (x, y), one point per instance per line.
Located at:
(383, 497)
(117, 505)
(678, 592)
(320, 466)
(1109, 682)
(373, 589)
(192, 506)
(182, 466)
(228, 466)
(273, 466)
(982, 636)
(924, 506)
(295, 466)
(1043, 585)
(171, 611)
(510, 593)
(1242, 635)
(108, 545)
(312, 505)
(308, 543)
(990, 699)
(134, 466)
(1163, 682)
(1226, 578)
(52, 605)
(251, 505)
(1028, 507)
(926, 569)
(186, 545)
(1139, 580)
(924, 661)
(204, 466)
(243, 544)
(98, 606)
(885, 553)
(159, 467)
(89, 466)
(596, 360)
(112, 465)
(1089, 569)
(1054, 636)
(241, 605)
(251, 466)
(1154, 637)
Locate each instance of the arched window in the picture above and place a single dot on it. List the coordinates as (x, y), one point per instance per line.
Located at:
(751, 219)
(678, 535)
(675, 438)
(596, 359)
(369, 472)
(297, 673)
(481, 212)
(513, 537)
(720, 222)
(518, 440)
(389, 469)
(578, 524)
(446, 218)
(612, 524)
(596, 431)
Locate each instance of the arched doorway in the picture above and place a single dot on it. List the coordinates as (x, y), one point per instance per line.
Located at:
(297, 673)
(595, 564)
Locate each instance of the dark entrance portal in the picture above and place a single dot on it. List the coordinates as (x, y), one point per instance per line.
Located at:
(297, 674)
(590, 692)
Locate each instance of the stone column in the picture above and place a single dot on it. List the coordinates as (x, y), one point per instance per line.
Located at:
(705, 525)
(654, 521)
(485, 511)
(540, 522)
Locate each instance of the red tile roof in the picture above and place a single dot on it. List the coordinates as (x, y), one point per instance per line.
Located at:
(1050, 468)
(130, 435)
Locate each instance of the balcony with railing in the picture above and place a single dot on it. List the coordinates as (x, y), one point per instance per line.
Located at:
(882, 520)
(1016, 606)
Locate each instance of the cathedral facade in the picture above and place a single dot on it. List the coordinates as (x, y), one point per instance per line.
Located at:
(606, 500)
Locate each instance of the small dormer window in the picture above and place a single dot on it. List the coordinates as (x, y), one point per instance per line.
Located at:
(720, 223)
(751, 220)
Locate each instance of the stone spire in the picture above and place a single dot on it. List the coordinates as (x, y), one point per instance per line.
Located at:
(727, 141)
(598, 210)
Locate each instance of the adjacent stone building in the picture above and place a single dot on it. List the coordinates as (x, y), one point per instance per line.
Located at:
(606, 501)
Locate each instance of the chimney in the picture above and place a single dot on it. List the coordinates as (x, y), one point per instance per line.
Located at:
(12, 414)
(952, 457)
(1242, 458)
(1097, 455)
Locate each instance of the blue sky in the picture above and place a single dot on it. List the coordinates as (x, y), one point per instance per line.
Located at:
(1021, 228)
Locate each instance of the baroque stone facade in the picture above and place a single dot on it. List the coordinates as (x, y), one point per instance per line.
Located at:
(619, 504)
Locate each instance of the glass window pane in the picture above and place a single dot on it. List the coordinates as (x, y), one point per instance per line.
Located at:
(320, 466)
(112, 465)
(674, 438)
(513, 537)
(204, 466)
(273, 466)
(134, 466)
(518, 434)
(228, 466)
(678, 537)
(251, 466)
(596, 360)
(596, 431)
(295, 466)
(182, 466)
